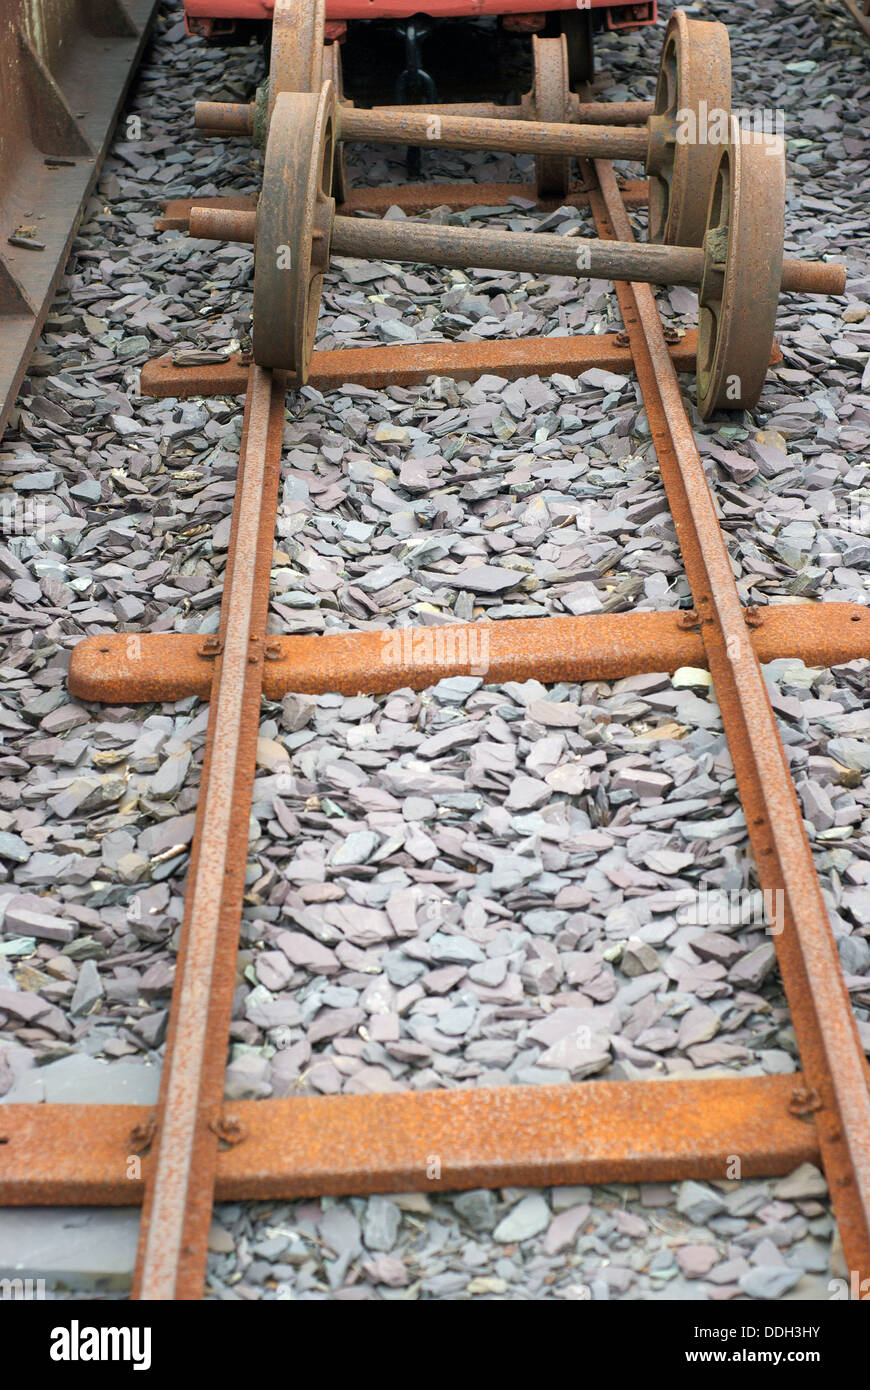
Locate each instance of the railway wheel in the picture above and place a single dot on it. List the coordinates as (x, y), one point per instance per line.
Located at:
(551, 98)
(742, 274)
(293, 230)
(332, 72)
(690, 123)
(296, 61)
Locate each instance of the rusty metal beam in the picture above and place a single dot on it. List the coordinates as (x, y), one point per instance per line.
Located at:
(55, 127)
(590, 1132)
(120, 668)
(178, 1200)
(540, 253)
(414, 362)
(412, 197)
(831, 1052)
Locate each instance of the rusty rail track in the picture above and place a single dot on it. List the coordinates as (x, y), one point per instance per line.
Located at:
(196, 1147)
(177, 1209)
(860, 15)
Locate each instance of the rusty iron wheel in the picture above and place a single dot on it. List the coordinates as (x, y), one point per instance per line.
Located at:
(742, 273)
(296, 62)
(551, 98)
(293, 230)
(332, 72)
(690, 122)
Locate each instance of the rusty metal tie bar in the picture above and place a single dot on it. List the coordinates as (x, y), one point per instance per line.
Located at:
(316, 1146)
(174, 666)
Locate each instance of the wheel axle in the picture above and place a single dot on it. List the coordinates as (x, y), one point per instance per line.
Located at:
(739, 270)
(539, 253)
(717, 211)
(239, 118)
(551, 123)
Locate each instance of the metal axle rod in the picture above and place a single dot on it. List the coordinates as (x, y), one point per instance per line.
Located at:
(239, 118)
(580, 112)
(413, 127)
(541, 253)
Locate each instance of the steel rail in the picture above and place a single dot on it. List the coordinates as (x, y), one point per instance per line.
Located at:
(862, 19)
(180, 1186)
(831, 1052)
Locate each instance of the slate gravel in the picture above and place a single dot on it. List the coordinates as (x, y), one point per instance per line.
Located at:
(473, 885)
(688, 1241)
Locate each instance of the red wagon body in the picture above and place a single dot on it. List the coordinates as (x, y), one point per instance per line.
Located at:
(213, 17)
